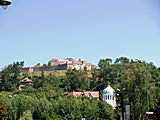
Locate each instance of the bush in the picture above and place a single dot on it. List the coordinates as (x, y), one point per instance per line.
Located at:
(27, 115)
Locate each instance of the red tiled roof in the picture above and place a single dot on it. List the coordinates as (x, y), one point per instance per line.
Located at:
(54, 60)
(77, 63)
(70, 59)
(94, 94)
(26, 80)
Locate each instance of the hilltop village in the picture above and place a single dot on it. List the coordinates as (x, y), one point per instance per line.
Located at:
(60, 66)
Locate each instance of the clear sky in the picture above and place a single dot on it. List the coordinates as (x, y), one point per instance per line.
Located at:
(38, 30)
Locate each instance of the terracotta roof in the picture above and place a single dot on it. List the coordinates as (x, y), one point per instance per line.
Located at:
(77, 63)
(61, 62)
(89, 64)
(54, 60)
(94, 94)
(26, 80)
(37, 65)
(70, 59)
(58, 63)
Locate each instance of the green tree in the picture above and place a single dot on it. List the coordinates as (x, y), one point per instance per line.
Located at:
(122, 60)
(136, 80)
(10, 76)
(3, 111)
(27, 115)
(77, 80)
(105, 111)
(104, 62)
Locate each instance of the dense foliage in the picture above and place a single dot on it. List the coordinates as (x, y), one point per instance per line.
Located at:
(36, 106)
(44, 99)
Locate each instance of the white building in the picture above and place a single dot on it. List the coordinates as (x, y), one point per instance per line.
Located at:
(108, 95)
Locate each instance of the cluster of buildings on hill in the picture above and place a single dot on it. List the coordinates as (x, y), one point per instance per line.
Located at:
(64, 64)
(71, 63)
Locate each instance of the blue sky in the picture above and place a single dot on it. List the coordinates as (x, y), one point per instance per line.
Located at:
(36, 31)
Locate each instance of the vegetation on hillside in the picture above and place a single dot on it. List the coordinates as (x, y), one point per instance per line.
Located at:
(44, 99)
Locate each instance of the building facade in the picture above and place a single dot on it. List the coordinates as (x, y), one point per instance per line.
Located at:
(108, 95)
(71, 63)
